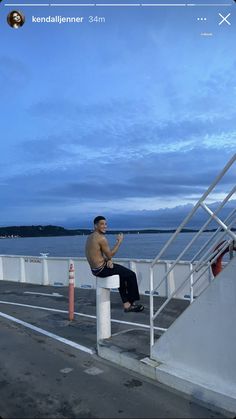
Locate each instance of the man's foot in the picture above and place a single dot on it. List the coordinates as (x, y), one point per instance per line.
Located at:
(134, 308)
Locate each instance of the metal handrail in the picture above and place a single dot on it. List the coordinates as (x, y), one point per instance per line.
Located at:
(181, 286)
(195, 208)
(215, 256)
(207, 259)
(208, 255)
(197, 235)
(214, 235)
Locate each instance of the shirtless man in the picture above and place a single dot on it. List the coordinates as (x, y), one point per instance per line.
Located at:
(99, 256)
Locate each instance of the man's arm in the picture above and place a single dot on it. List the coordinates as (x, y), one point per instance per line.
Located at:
(109, 253)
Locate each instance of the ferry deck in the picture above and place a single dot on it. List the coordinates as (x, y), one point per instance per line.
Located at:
(174, 359)
(43, 376)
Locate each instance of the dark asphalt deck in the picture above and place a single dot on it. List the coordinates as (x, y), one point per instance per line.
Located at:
(43, 378)
(82, 329)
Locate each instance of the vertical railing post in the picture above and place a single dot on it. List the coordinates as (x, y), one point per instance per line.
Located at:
(170, 279)
(210, 274)
(1, 268)
(231, 249)
(151, 311)
(167, 266)
(71, 290)
(132, 266)
(22, 270)
(45, 268)
(191, 282)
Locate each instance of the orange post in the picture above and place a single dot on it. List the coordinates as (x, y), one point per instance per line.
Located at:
(71, 290)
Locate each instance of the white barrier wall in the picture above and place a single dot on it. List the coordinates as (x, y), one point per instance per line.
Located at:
(54, 271)
(198, 351)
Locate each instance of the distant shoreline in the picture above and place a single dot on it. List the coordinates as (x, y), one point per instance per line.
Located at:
(56, 231)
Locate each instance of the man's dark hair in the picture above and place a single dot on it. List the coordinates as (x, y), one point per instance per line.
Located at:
(98, 218)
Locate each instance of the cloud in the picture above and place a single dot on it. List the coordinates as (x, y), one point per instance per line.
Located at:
(164, 218)
(14, 75)
(136, 120)
(132, 182)
(126, 123)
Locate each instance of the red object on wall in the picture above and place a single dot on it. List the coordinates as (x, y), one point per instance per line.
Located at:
(216, 267)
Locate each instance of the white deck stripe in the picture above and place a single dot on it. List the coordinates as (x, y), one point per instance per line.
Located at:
(146, 326)
(54, 294)
(49, 334)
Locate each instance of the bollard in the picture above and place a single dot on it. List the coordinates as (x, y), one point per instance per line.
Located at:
(71, 290)
(45, 268)
(22, 270)
(103, 305)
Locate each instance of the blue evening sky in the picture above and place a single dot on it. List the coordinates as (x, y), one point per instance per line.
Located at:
(136, 114)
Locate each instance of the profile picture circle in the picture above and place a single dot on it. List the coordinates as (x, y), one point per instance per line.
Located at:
(16, 19)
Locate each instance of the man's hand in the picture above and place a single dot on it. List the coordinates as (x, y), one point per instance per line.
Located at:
(120, 237)
(110, 264)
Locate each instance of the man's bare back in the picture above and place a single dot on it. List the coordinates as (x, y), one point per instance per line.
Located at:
(93, 250)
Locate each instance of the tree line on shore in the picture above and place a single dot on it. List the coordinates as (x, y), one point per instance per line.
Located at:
(52, 231)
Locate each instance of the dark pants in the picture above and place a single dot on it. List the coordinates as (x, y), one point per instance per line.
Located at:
(128, 282)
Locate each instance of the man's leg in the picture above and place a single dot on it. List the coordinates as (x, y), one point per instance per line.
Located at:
(128, 283)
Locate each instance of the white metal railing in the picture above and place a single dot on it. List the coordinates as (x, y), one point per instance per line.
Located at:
(208, 251)
(54, 271)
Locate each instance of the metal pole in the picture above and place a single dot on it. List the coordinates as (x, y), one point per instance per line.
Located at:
(151, 311)
(45, 268)
(1, 268)
(218, 220)
(191, 283)
(195, 208)
(103, 311)
(231, 249)
(103, 305)
(22, 270)
(71, 290)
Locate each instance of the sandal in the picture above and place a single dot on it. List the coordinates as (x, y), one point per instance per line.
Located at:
(134, 308)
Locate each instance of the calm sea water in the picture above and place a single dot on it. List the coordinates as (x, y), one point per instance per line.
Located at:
(135, 246)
